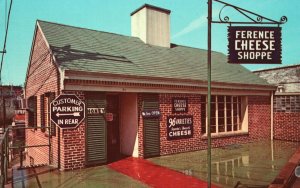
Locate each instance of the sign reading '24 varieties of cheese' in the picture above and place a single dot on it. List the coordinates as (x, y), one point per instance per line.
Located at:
(254, 45)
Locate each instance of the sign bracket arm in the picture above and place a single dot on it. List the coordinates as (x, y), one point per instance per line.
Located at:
(247, 14)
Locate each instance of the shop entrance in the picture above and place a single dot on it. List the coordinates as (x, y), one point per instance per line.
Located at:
(113, 131)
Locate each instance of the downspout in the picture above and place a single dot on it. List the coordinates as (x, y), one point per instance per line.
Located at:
(272, 115)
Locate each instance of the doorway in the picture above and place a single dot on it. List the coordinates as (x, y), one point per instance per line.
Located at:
(113, 131)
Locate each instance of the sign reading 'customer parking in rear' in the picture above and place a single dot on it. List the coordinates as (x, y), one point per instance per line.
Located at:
(67, 111)
(254, 45)
(179, 127)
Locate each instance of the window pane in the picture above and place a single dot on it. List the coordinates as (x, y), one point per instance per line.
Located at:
(221, 113)
(221, 121)
(221, 129)
(235, 123)
(220, 106)
(213, 129)
(213, 121)
(220, 99)
(235, 110)
(213, 110)
(229, 128)
(213, 98)
(228, 120)
(234, 99)
(228, 99)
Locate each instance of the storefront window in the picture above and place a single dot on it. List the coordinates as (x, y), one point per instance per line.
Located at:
(226, 114)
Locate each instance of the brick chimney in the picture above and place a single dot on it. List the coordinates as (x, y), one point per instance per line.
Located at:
(152, 25)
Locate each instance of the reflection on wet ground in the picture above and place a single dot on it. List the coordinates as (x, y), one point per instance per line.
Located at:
(93, 177)
(255, 163)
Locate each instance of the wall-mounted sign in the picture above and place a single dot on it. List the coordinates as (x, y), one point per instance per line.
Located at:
(67, 111)
(151, 114)
(95, 111)
(179, 105)
(179, 127)
(109, 116)
(254, 45)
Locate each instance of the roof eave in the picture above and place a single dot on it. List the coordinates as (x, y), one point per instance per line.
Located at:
(82, 75)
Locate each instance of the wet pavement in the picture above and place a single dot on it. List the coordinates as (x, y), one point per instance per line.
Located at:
(94, 177)
(255, 163)
(252, 164)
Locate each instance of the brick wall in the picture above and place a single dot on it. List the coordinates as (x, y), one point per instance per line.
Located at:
(42, 76)
(286, 126)
(259, 110)
(259, 123)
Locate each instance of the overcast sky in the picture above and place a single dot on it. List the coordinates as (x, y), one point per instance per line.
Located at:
(188, 24)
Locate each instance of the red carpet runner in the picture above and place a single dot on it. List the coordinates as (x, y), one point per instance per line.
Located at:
(154, 175)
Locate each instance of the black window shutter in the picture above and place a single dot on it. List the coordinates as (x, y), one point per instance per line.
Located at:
(35, 111)
(51, 124)
(42, 110)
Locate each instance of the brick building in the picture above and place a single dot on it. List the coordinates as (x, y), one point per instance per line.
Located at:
(286, 100)
(153, 91)
(12, 94)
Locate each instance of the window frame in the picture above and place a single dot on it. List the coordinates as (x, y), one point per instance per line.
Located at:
(241, 114)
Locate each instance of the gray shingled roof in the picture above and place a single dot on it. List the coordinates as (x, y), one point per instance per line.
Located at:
(95, 51)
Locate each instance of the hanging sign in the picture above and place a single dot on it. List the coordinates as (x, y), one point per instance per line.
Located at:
(179, 105)
(179, 127)
(254, 45)
(67, 111)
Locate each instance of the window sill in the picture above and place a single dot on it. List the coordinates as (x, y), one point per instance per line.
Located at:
(222, 135)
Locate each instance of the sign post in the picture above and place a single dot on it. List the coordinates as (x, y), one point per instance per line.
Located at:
(67, 111)
(256, 45)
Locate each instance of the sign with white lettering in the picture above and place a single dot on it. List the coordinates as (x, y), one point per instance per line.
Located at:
(95, 111)
(151, 114)
(179, 127)
(254, 45)
(67, 111)
(179, 105)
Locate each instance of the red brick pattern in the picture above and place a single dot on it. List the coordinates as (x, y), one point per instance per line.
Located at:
(287, 126)
(42, 77)
(259, 117)
(140, 126)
